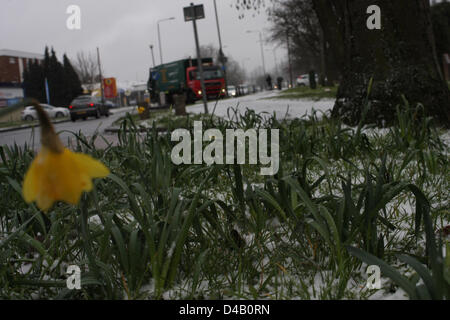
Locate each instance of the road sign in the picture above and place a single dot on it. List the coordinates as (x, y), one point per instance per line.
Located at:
(110, 88)
(155, 75)
(194, 12)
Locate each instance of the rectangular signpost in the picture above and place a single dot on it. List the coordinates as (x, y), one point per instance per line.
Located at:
(193, 13)
(110, 88)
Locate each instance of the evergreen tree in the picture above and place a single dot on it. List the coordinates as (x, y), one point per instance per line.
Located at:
(46, 61)
(26, 80)
(72, 82)
(63, 82)
(34, 81)
(56, 83)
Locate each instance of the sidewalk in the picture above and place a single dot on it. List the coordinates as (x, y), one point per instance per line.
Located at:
(153, 108)
(124, 109)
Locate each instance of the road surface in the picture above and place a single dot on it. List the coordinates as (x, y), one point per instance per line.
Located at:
(66, 129)
(258, 102)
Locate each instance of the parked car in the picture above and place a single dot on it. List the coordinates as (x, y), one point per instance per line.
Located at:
(30, 114)
(88, 106)
(303, 80)
(232, 91)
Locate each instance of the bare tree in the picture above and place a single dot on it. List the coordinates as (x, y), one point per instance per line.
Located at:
(297, 20)
(209, 51)
(398, 60)
(236, 75)
(87, 69)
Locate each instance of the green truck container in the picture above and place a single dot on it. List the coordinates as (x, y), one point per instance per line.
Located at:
(181, 77)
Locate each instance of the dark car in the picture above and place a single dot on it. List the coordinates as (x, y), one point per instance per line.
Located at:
(88, 106)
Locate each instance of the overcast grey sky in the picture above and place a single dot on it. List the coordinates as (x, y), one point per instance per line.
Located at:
(124, 30)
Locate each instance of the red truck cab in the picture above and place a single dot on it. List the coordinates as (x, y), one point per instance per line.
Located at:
(214, 81)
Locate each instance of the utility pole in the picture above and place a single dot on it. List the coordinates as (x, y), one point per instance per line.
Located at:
(222, 57)
(262, 49)
(276, 62)
(160, 48)
(289, 59)
(101, 76)
(262, 52)
(153, 56)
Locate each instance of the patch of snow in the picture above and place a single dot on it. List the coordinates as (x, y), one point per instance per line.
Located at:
(258, 102)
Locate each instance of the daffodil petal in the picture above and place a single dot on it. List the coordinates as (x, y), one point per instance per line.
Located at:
(93, 167)
(29, 188)
(60, 177)
(86, 183)
(44, 202)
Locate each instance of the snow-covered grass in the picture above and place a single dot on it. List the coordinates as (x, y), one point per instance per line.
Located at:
(159, 231)
(259, 102)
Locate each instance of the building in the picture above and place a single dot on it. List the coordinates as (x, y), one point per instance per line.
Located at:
(12, 66)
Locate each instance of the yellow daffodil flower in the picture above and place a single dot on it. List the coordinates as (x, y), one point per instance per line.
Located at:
(58, 174)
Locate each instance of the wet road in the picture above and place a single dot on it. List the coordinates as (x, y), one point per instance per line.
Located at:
(31, 136)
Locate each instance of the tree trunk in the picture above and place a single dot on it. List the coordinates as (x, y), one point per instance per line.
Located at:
(401, 59)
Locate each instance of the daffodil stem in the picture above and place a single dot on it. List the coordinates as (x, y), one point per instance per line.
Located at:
(86, 239)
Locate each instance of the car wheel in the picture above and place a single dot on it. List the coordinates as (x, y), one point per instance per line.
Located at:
(73, 119)
(97, 114)
(84, 118)
(29, 118)
(59, 115)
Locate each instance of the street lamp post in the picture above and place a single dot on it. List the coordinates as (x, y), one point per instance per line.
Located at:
(101, 75)
(159, 36)
(262, 48)
(153, 56)
(221, 55)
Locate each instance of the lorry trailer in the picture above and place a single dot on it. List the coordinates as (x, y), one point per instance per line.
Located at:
(182, 76)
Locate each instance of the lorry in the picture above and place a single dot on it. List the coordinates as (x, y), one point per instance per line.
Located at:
(182, 76)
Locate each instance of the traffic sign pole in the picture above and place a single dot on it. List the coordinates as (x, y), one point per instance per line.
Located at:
(197, 12)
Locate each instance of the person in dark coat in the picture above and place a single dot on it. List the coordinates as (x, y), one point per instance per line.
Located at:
(280, 82)
(269, 81)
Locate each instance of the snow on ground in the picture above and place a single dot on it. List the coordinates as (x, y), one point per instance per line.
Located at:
(260, 103)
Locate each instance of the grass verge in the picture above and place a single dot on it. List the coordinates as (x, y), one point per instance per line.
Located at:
(304, 92)
(154, 230)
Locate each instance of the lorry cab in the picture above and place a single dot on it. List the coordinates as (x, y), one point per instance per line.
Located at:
(214, 81)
